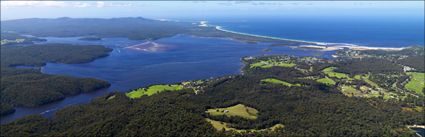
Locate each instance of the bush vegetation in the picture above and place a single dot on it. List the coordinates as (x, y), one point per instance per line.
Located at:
(29, 88)
(308, 110)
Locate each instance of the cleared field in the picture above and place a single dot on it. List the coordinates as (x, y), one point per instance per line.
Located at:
(416, 83)
(326, 81)
(152, 90)
(220, 126)
(350, 91)
(366, 79)
(277, 81)
(366, 92)
(238, 110)
(329, 71)
(417, 109)
(271, 63)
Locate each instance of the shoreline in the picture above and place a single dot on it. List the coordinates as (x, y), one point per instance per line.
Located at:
(352, 47)
(267, 37)
(324, 46)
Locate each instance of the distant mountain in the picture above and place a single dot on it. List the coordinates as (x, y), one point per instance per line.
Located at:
(133, 28)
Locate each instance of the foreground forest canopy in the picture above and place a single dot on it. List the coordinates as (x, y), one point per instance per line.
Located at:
(22, 83)
(309, 97)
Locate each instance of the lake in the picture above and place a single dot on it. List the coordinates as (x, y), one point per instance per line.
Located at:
(138, 63)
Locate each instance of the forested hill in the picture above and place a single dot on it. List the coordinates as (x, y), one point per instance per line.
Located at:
(276, 96)
(133, 28)
(28, 87)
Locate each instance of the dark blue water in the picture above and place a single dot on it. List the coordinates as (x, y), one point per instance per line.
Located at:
(388, 31)
(420, 131)
(184, 58)
(27, 67)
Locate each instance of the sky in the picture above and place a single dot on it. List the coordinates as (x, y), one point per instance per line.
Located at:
(206, 9)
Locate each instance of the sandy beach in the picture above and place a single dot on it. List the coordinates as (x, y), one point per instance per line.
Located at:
(268, 37)
(316, 45)
(347, 46)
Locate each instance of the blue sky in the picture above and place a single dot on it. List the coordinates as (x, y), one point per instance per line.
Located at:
(205, 10)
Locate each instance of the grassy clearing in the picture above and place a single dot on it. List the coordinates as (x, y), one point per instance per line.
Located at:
(271, 63)
(238, 110)
(152, 90)
(366, 92)
(310, 78)
(389, 95)
(220, 126)
(349, 90)
(358, 77)
(416, 83)
(366, 79)
(329, 71)
(277, 81)
(326, 81)
(415, 109)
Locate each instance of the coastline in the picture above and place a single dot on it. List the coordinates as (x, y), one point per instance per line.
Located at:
(267, 37)
(347, 46)
(323, 46)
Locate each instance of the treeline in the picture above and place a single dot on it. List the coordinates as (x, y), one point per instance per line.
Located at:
(28, 87)
(9, 38)
(413, 57)
(368, 65)
(132, 28)
(36, 89)
(38, 55)
(417, 62)
(308, 110)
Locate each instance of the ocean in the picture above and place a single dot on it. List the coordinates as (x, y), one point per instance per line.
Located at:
(373, 32)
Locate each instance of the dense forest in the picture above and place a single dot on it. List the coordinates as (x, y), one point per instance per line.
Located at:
(392, 60)
(132, 28)
(28, 87)
(309, 109)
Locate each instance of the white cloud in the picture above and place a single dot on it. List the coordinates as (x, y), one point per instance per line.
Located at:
(100, 4)
(88, 4)
(33, 3)
(81, 5)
